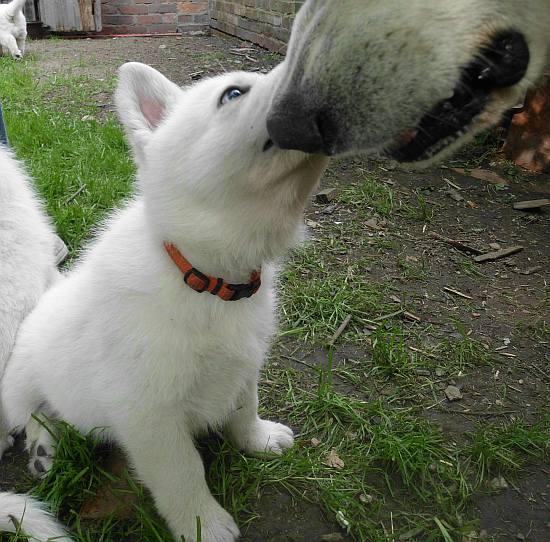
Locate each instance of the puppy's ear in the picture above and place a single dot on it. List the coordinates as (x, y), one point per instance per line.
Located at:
(143, 99)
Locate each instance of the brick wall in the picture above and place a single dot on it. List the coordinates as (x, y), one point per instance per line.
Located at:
(154, 16)
(265, 22)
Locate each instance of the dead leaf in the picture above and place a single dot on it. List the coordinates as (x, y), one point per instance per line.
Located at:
(334, 461)
(315, 442)
(312, 224)
(483, 175)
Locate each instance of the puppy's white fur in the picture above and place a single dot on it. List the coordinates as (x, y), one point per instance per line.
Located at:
(123, 343)
(27, 265)
(13, 28)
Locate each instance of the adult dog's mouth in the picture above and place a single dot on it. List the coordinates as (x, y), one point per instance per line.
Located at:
(500, 64)
(440, 127)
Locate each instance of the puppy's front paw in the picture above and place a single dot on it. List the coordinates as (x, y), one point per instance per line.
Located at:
(265, 437)
(220, 527)
(40, 445)
(216, 525)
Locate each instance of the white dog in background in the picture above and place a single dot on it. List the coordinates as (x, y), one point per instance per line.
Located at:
(126, 341)
(13, 28)
(27, 262)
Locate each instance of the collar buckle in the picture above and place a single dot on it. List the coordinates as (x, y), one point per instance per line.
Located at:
(196, 280)
(240, 291)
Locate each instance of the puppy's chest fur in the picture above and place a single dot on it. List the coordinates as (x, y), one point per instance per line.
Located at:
(211, 364)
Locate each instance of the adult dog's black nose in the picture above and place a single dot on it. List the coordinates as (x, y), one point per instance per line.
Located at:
(291, 125)
(502, 63)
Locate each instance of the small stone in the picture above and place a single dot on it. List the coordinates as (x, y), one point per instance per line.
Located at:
(498, 483)
(521, 536)
(315, 442)
(326, 196)
(329, 209)
(366, 499)
(494, 246)
(332, 537)
(453, 393)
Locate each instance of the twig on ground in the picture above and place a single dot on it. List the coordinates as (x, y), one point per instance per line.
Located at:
(340, 330)
(456, 292)
(74, 195)
(457, 244)
(497, 254)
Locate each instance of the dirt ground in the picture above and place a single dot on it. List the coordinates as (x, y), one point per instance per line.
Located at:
(504, 304)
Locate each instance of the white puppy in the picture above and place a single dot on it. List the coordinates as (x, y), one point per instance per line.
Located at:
(125, 343)
(13, 28)
(27, 263)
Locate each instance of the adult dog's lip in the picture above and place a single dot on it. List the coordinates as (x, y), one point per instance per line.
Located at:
(440, 127)
(500, 64)
(268, 144)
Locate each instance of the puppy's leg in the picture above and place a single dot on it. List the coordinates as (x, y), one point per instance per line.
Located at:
(21, 43)
(40, 445)
(8, 41)
(166, 460)
(252, 434)
(19, 397)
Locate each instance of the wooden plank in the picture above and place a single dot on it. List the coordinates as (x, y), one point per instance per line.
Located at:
(30, 11)
(86, 15)
(61, 15)
(97, 16)
(497, 254)
(532, 204)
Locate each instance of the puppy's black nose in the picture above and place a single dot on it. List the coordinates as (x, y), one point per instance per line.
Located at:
(502, 63)
(293, 126)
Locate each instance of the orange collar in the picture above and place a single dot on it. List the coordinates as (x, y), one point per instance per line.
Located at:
(216, 286)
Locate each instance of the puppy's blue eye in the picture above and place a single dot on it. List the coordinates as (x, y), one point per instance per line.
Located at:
(233, 93)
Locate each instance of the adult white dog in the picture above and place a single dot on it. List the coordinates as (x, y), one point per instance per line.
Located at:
(137, 340)
(416, 77)
(13, 28)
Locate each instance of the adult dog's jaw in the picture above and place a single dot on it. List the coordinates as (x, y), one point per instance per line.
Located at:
(362, 76)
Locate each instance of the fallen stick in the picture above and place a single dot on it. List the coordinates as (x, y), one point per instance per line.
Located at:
(531, 204)
(75, 195)
(456, 292)
(340, 330)
(497, 254)
(455, 243)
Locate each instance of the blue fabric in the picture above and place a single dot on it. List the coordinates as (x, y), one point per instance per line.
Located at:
(3, 133)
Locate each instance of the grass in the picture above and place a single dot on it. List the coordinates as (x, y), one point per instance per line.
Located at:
(399, 476)
(370, 195)
(317, 299)
(505, 448)
(81, 167)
